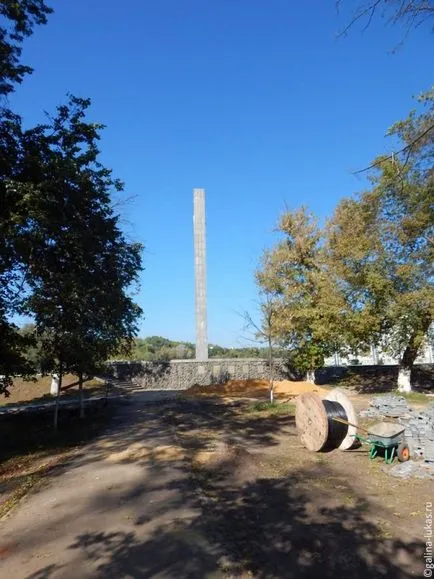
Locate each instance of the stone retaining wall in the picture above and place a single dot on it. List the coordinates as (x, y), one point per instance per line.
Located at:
(181, 374)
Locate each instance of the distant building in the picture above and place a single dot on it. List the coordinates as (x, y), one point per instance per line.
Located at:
(377, 356)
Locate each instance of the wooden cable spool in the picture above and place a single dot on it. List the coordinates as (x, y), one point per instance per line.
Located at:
(313, 424)
(339, 396)
(311, 421)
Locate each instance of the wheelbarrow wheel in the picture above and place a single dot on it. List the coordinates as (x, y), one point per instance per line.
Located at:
(403, 452)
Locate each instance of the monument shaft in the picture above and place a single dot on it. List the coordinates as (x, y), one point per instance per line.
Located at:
(200, 274)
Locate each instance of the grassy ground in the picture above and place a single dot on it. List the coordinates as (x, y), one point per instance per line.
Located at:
(263, 409)
(415, 397)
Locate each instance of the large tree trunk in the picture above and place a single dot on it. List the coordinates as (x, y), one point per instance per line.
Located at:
(409, 357)
(56, 406)
(271, 370)
(54, 388)
(310, 376)
(80, 388)
(404, 379)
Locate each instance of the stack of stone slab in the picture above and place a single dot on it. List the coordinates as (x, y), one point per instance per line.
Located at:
(388, 405)
(419, 424)
(419, 432)
(410, 469)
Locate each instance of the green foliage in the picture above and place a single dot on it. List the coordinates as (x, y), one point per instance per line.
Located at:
(368, 278)
(63, 257)
(272, 408)
(12, 359)
(381, 245)
(294, 273)
(18, 20)
(157, 348)
(33, 350)
(216, 351)
(21, 16)
(79, 262)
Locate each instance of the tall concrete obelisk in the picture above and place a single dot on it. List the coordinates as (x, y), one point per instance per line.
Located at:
(200, 273)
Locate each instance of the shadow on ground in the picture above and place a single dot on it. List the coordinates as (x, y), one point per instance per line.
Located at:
(375, 379)
(24, 434)
(284, 527)
(137, 424)
(264, 529)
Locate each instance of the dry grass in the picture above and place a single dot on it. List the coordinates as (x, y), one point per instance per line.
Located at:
(38, 390)
(16, 484)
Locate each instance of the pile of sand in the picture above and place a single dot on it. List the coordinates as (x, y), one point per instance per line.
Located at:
(219, 453)
(259, 389)
(138, 451)
(224, 456)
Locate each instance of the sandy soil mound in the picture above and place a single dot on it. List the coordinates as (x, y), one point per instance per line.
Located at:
(138, 451)
(283, 389)
(219, 453)
(228, 458)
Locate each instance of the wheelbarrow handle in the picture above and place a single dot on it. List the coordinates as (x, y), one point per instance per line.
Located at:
(351, 424)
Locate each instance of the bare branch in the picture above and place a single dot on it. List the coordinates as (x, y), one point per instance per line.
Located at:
(415, 12)
(407, 149)
(369, 10)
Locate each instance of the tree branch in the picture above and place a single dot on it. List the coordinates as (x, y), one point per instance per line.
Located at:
(395, 153)
(415, 12)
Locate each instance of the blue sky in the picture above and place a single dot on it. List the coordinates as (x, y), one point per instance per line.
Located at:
(257, 102)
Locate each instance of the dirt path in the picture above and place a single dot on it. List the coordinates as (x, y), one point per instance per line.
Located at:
(123, 508)
(206, 488)
(277, 511)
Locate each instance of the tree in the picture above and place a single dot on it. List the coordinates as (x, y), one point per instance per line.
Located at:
(13, 361)
(381, 246)
(32, 349)
(294, 272)
(265, 331)
(22, 15)
(412, 13)
(79, 263)
(63, 258)
(11, 267)
(19, 19)
(158, 348)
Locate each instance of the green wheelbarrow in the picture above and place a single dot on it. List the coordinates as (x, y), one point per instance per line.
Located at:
(386, 437)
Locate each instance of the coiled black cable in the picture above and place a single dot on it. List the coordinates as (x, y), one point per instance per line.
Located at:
(337, 430)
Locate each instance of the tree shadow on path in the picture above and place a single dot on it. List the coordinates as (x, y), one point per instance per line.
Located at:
(269, 528)
(241, 524)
